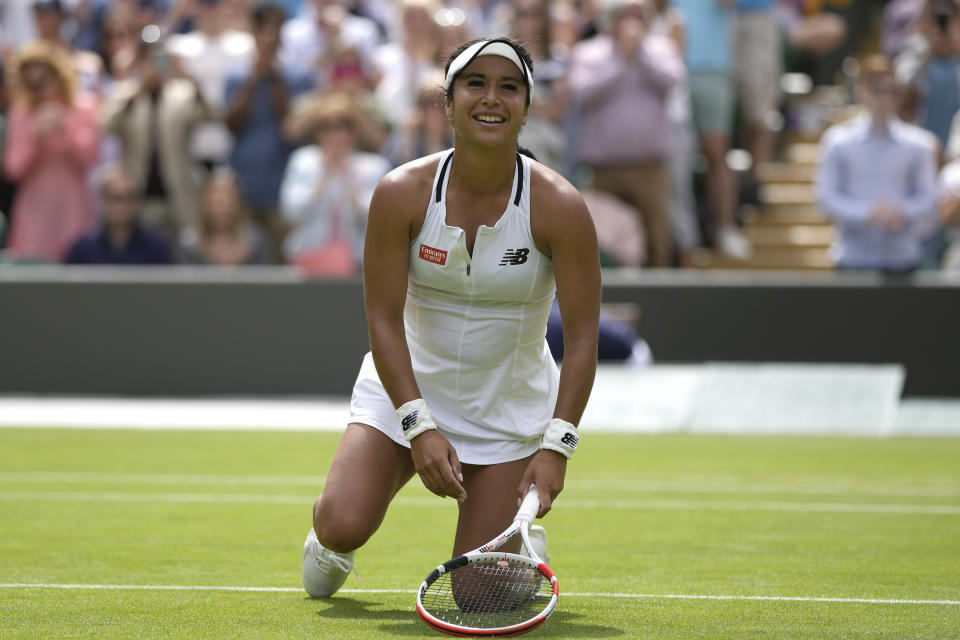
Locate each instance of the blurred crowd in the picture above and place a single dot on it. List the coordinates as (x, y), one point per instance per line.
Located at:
(235, 132)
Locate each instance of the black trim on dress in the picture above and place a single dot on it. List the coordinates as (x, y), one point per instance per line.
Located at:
(443, 171)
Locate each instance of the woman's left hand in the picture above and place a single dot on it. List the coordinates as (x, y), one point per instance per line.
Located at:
(547, 470)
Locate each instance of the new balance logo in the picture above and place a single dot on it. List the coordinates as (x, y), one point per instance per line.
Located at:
(570, 439)
(514, 256)
(409, 420)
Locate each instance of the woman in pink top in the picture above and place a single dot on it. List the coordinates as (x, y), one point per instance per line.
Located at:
(52, 141)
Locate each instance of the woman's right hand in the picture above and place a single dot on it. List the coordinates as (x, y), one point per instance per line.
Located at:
(437, 464)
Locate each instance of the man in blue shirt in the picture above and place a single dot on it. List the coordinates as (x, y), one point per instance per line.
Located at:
(877, 180)
(121, 238)
(257, 101)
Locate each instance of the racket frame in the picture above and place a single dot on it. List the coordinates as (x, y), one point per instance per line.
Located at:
(488, 553)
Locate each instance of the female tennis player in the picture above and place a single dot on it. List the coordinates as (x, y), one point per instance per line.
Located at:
(464, 252)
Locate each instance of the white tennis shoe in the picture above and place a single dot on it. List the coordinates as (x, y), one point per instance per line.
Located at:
(538, 541)
(324, 571)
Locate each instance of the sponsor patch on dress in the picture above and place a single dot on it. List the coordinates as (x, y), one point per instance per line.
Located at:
(436, 256)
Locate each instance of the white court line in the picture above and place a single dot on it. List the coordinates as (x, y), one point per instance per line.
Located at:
(733, 486)
(161, 478)
(725, 505)
(229, 414)
(614, 484)
(635, 596)
(675, 505)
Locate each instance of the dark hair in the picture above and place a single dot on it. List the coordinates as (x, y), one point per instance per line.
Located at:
(264, 12)
(523, 53)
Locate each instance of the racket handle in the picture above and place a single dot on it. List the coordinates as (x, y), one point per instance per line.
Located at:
(530, 506)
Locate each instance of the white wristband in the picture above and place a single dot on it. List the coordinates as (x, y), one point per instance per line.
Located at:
(415, 418)
(560, 436)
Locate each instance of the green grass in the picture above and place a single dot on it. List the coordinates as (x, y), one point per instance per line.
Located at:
(643, 517)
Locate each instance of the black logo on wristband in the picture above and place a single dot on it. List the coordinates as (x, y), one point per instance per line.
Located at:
(570, 439)
(409, 420)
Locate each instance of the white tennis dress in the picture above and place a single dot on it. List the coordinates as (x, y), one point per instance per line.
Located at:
(476, 329)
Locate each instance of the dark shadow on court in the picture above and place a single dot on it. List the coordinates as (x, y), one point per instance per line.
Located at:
(560, 624)
(360, 610)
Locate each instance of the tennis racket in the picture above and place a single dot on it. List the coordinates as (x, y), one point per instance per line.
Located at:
(486, 593)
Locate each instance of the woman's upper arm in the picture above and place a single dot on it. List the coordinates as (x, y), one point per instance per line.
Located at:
(562, 223)
(393, 212)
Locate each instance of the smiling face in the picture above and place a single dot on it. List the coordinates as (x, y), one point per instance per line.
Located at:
(488, 101)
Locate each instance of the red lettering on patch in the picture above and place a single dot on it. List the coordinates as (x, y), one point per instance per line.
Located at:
(436, 256)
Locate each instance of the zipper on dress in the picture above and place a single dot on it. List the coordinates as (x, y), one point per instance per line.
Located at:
(468, 268)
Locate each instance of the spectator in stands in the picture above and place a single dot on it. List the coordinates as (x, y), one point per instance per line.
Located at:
(52, 142)
(684, 225)
(349, 72)
(208, 54)
(258, 99)
(6, 185)
(347, 75)
(477, 16)
(117, 45)
(237, 15)
(568, 21)
(580, 20)
(428, 130)
(120, 238)
(617, 340)
(49, 17)
(225, 235)
(321, 24)
(949, 194)
(620, 233)
(454, 31)
(380, 12)
(326, 191)
(808, 30)
(709, 56)
(899, 24)
(543, 134)
(758, 55)
(930, 67)
(877, 179)
(152, 114)
(291, 8)
(404, 65)
(619, 82)
(17, 25)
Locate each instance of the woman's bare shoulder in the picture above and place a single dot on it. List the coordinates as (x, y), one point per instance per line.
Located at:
(410, 183)
(550, 190)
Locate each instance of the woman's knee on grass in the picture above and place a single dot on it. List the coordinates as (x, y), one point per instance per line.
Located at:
(340, 529)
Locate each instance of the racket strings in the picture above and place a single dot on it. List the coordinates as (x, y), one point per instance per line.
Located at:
(488, 595)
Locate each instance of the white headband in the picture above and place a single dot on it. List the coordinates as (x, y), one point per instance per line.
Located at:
(487, 48)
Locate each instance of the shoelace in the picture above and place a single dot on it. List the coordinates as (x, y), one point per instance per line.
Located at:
(336, 560)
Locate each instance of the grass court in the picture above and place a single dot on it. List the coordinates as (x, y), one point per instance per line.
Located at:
(198, 534)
